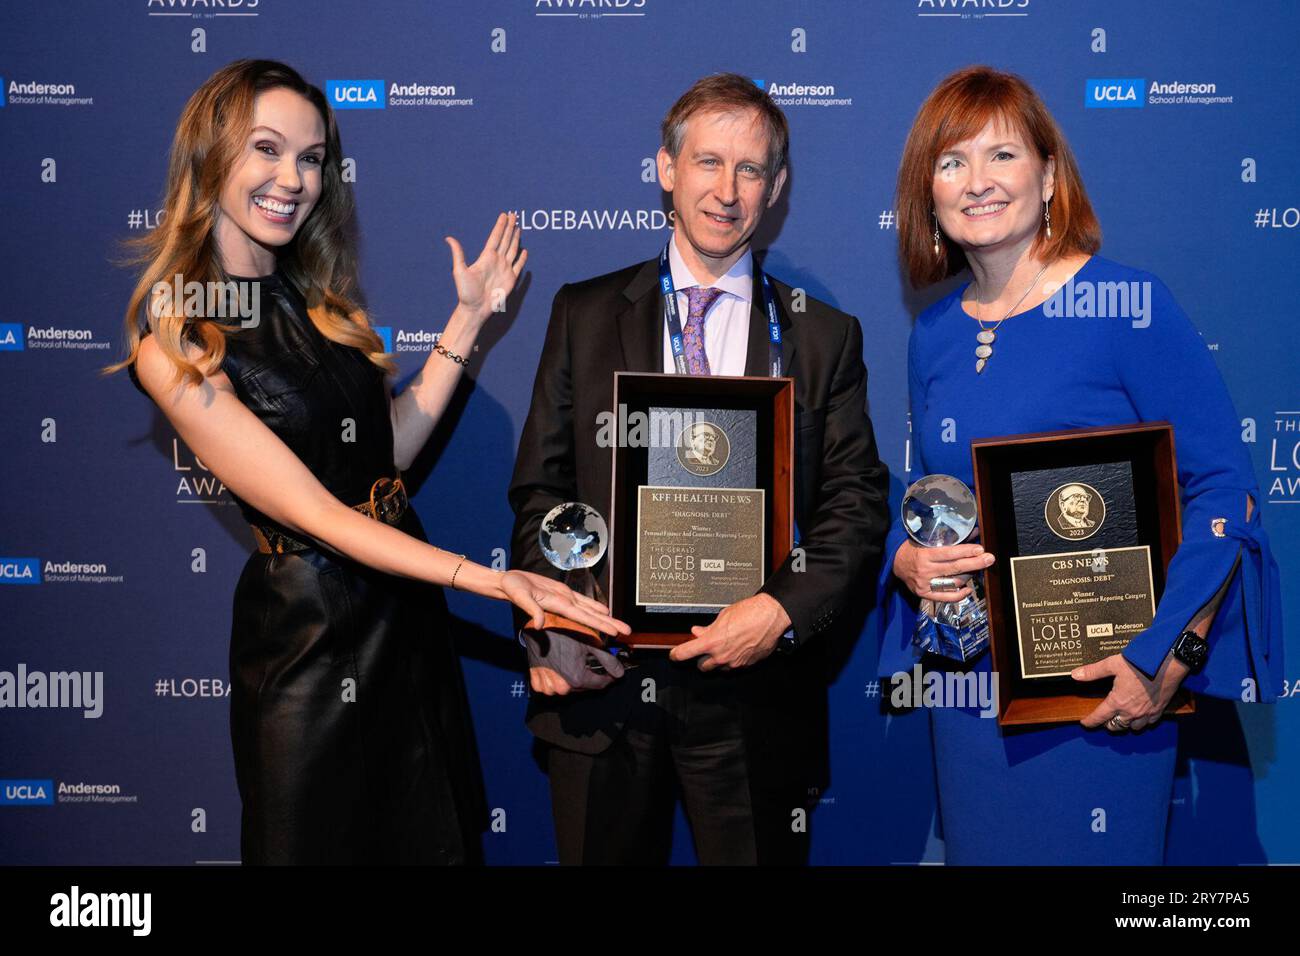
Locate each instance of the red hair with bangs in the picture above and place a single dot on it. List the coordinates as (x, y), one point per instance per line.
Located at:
(958, 109)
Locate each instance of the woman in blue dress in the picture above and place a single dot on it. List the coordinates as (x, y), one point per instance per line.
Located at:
(987, 182)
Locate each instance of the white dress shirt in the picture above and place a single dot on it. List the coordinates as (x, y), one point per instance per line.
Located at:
(726, 324)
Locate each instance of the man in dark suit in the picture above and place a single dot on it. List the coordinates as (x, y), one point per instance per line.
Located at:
(736, 717)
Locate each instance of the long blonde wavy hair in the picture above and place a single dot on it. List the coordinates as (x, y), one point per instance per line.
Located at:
(320, 260)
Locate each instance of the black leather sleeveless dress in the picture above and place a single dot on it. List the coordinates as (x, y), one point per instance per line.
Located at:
(351, 731)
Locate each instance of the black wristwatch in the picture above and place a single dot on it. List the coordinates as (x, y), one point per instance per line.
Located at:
(1191, 649)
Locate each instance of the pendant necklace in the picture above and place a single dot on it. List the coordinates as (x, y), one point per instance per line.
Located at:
(985, 337)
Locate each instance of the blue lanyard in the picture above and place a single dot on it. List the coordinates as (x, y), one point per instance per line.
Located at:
(673, 317)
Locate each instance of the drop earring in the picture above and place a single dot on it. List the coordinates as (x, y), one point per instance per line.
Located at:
(936, 233)
(1047, 216)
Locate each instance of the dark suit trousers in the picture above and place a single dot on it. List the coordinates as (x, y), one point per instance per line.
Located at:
(617, 806)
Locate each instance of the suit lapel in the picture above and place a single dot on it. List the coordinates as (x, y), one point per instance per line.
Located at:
(641, 323)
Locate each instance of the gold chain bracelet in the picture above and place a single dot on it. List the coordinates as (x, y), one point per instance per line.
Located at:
(457, 571)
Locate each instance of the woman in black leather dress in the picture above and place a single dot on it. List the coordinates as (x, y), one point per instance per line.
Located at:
(351, 732)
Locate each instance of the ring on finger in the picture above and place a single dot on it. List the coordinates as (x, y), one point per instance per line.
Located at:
(943, 584)
(1118, 723)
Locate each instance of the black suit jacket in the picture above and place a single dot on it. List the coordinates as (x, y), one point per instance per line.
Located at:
(615, 323)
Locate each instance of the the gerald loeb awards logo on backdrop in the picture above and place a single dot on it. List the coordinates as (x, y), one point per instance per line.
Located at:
(203, 9)
(589, 9)
(972, 9)
(1284, 458)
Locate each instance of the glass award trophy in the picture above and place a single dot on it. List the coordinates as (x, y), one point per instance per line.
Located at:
(939, 511)
(573, 537)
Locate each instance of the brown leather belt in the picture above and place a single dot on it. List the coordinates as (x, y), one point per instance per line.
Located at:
(388, 503)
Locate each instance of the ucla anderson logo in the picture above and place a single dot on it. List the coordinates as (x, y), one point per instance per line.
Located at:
(20, 570)
(356, 94)
(1114, 94)
(27, 793)
(11, 337)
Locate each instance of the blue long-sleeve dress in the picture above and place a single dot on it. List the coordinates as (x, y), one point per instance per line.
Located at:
(1060, 793)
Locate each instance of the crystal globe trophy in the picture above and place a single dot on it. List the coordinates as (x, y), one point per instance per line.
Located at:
(573, 537)
(939, 511)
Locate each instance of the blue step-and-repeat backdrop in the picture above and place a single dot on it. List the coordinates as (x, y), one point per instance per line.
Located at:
(119, 552)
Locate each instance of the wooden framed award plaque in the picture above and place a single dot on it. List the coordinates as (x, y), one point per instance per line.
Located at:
(702, 504)
(1083, 524)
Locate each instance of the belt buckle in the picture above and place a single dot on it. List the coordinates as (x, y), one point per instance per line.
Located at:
(271, 541)
(388, 500)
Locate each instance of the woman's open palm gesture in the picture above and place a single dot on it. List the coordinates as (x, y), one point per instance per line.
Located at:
(482, 288)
